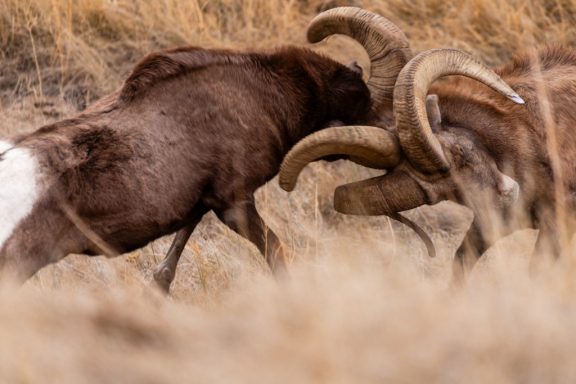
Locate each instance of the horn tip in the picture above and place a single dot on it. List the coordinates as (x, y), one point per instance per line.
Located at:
(288, 186)
(517, 99)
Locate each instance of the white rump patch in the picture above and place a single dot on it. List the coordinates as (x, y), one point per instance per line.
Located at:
(18, 187)
(4, 146)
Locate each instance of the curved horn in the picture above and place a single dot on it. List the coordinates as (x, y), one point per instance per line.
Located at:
(381, 195)
(416, 137)
(370, 146)
(419, 231)
(384, 195)
(386, 45)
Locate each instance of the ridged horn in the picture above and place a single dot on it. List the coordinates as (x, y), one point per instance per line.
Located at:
(384, 195)
(416, 138)
(370, 146)
(386, 45)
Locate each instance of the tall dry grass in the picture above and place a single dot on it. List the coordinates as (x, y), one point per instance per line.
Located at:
(364, 303)
(56, 47)
(82, 49)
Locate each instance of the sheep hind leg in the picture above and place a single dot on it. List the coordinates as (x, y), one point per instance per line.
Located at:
(166, 271)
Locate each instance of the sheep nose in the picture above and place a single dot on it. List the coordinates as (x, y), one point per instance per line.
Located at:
(508, 189)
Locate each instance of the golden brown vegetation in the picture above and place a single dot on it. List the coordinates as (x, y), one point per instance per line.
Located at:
(364, 303)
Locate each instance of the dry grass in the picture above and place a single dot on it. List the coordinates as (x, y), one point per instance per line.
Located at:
(364, 303)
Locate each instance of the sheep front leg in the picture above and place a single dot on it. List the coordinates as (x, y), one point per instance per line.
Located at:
(548, 247)
(243, 218)
(473, 246)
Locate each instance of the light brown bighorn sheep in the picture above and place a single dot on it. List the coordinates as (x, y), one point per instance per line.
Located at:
(507, 161)
(191, 130)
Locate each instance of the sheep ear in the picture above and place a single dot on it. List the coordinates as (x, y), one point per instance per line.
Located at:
(355, 67)
(433, 111)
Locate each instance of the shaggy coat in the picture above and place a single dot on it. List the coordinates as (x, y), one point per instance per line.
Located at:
(533, 144)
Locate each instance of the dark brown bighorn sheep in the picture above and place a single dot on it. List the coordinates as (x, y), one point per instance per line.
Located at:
(191, 130)
(388, 50)
(457, 142)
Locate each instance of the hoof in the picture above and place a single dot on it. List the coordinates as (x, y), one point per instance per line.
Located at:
(163, 278)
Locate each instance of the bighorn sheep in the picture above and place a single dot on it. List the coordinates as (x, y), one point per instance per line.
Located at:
(507, 162)
(191, 130)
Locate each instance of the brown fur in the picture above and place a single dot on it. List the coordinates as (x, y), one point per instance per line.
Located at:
(484, 134)
(191, 130)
